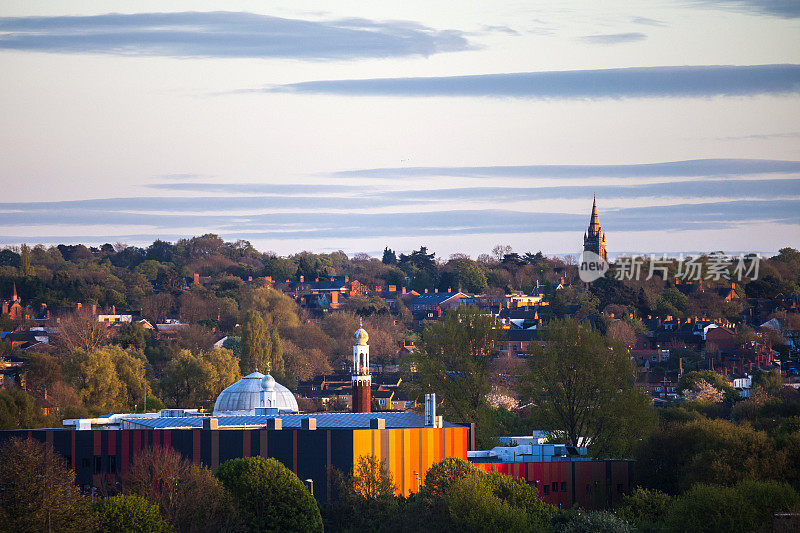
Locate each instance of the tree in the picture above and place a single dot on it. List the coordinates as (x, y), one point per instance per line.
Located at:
(184, 380)
(771, 381)
(468, 276)
(453, 359)
(643, 507)
(81, 331)
(372, 479)
(693, 381)
(496, 502)
(97, 382)
(188, 496)
(677, 455)
(746, 507)
(223, 370)
(260, 346)
(584, 387)
(25, 260)
(156, 306)
(18, 410)
(39, 491)
(389, 257)
(128, 514)
(269, 496)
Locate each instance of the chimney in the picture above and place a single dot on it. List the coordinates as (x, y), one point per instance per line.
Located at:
(404, 290)
(113, 309)
(196, 278)
(430, 410)
(346, 279)
(680, 367)
(316, 280)
(302, 279)
(435, 290)
(426, 291)
(331, 278)
(94, 309)
(79, 305)
(250, 278)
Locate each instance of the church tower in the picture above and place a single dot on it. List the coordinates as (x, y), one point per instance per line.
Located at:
(594, 240)
(362, 380)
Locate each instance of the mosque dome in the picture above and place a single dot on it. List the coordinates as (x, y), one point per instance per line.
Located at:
(246, 395)
(361, 337)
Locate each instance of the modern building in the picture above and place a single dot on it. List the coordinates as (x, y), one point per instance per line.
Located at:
(562, 474)
(256, 416)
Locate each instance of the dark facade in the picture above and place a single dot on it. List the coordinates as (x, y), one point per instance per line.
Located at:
(592, 484)
(101, 458)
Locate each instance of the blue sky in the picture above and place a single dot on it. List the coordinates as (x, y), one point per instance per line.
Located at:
(357, 125)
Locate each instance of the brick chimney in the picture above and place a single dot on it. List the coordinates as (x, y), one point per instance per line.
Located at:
(404, 290)
(94, 309)
(302, 279)
(196, 278)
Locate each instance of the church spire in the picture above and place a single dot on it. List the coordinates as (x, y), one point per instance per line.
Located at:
(594, 221)
(14, 297)
(594, 240)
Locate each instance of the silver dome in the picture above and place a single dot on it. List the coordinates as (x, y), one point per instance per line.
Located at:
(245, 396)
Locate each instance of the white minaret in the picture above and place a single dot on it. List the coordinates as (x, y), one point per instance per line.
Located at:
(268, 397)
(362, 380)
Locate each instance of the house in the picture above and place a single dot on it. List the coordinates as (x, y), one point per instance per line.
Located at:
(433, 305)
(663, 385)
(520, 318)
(517, 341)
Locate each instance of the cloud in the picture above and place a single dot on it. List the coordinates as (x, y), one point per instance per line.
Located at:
(254, 188)
(225, 34)
(614, 38)
(776, 8)
(635, 82)
(753, 189)
(647, 21)
(685, 169)
(499, 29)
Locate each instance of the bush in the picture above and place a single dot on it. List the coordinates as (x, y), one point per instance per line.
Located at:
(645, 507)
(592, 522)
(746, 507)
(129, 514)
(496, 502)
(269, 495)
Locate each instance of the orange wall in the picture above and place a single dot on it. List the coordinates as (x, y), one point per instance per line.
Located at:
(406, 451)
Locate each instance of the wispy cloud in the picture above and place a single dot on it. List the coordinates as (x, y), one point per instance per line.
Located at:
(647, 21)
(776, 8)
(499, 29)
(225, 34)
(636, 82)
(691, 168)
(254, 188)
(614, 38)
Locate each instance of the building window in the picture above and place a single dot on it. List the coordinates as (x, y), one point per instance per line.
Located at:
(98, 464)
(588, 489)
(546, 490)
(112, 464)
(563, 486)
(555, 486)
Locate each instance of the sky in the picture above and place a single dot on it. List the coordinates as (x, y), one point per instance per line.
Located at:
(355, 125)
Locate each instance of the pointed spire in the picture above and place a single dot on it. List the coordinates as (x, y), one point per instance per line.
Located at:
(14, 295)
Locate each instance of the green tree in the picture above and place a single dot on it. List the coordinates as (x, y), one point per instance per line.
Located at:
(468, 276)
(128, 514)
(18, 410)
(496, 502)
(184, 381)
(39, 491)
(746, 507)
(771, 381)
(25, 260)
(583, 386)
(97, 382)
(223, 370)
(269, 496)
(372, 479)
(453, 359)
(260, 346)
(644, 507)
(677, 455)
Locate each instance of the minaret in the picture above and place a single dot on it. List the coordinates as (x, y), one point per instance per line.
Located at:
(362, 380)
(594, 240)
